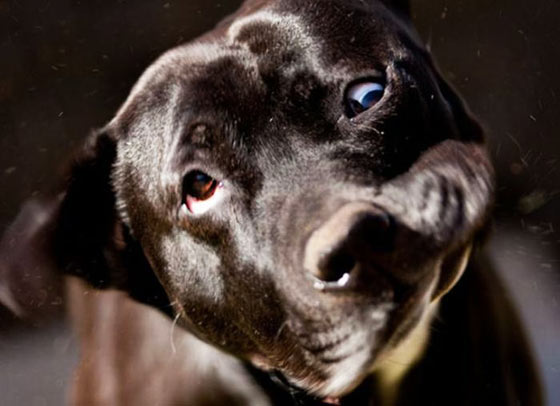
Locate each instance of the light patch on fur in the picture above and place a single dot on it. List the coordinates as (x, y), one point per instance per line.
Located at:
(295, 30)
(202, 261)
(188, 56)
(195, 53)
(344, 379)
(207, 52)
(392, 369)
(457, 272)
(208, 363)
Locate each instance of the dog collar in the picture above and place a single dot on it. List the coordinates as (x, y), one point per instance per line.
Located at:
(284, 393)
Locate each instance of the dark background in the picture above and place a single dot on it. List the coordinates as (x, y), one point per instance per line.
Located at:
(67, 65)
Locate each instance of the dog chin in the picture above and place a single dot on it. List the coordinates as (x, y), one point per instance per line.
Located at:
(389, 361)
(344, 376)
(336, 373)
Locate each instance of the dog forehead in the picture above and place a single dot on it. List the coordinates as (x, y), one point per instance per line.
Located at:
(263, 41)
(222, 77)
(209, 60)
(330, 38)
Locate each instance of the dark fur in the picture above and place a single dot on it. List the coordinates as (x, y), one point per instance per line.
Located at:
(259, 104)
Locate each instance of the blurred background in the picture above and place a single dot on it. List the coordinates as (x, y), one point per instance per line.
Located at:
(67, 65)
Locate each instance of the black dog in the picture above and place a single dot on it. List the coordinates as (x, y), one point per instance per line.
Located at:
(297, 189)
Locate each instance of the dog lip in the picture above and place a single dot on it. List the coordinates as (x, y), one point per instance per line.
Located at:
(317, 349)
(335, 359)
(339, 358)
(331, 367)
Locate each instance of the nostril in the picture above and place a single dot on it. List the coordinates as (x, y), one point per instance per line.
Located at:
(335, 266)
(347, 244)
(372, 232)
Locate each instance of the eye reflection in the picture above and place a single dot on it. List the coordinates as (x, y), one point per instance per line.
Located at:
(362, 96)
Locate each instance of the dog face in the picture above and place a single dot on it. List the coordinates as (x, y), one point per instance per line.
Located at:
(301, 181)
(303, 184)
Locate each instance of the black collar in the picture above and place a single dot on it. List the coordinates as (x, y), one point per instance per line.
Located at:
(281, 392)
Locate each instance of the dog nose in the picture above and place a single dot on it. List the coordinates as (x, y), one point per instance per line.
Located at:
(345, 244)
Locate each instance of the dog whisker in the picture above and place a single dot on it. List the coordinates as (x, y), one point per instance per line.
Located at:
(171, 333)
(280, 329)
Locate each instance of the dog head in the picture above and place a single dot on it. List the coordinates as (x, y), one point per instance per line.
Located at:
(300, 185)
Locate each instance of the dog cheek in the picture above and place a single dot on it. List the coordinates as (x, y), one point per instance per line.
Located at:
(197, 283)
(187, 269)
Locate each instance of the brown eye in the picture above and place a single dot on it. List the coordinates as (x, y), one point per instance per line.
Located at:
(199, 186)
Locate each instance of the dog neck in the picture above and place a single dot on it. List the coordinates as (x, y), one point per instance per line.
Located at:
(396, 363)
(282, 392)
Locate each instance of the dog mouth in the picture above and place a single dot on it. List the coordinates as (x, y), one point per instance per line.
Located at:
(362, 297)
(340, 366)
(352, 329)
(335, 373)
(284, 391)
(333, 357)
(327, 351)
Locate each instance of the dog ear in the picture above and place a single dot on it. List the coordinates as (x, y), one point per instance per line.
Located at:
(401, 6)
(77, 233)
(478, 335)
(29, 286)
(467, 125)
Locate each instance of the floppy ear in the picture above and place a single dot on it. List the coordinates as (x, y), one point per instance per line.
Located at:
(467, 125)
(78, 233)
(28, 283)
(478, 352)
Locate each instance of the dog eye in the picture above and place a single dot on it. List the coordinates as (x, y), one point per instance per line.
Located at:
(199, 185)
(200, 192)
(362, 96)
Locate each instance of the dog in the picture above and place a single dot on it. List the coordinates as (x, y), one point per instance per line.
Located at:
(286, 211)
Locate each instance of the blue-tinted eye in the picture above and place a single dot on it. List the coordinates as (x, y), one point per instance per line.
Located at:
(363, 96)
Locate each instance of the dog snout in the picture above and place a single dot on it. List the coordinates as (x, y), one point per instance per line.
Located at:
(341, 250)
